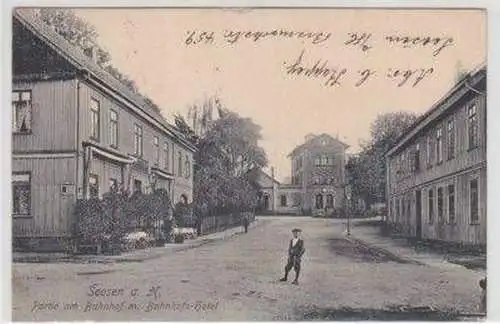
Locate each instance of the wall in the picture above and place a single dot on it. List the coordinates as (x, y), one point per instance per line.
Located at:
(53, 117)
(127, 119)
(51, 209)
(458, 170)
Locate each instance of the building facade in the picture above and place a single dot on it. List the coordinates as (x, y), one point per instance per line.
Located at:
(77, 132)
(317, 179)
(436, 185)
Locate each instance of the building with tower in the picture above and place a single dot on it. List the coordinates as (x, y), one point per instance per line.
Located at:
(317, 179)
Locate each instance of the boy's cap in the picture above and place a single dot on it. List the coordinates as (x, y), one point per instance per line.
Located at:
(296, 230)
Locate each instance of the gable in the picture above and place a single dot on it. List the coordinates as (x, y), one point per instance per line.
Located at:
(31, 56)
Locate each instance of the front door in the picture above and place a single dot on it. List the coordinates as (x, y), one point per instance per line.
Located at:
(266, 202)
(319, 201)
(418, 213)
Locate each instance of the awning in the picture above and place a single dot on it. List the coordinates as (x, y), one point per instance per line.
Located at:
(111, 156)
(162, 174)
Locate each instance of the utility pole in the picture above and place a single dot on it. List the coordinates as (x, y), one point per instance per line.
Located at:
(274, 191)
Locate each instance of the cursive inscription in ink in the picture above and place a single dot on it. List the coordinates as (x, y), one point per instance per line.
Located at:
(326, 71)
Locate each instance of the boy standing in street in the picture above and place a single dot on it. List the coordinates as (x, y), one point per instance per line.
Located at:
(295, 251)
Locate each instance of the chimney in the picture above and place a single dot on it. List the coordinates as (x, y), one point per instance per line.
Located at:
(37, 12)
(91, 52)
(310, 136)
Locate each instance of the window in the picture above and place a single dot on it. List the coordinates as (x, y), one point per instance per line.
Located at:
(403, 210)
(21, 110)
(439, 145)
(397, 210)
(403, 157)
(187, 165)
(21, 191)
(94, 119)
(113, 128)
(179, 165)
(165, 156)
(296, 199)
(137, 140)
(416, 160)
(429, 151)
(440, 200)
(451, 139)
(319, 201)
(137, 186)
(283, 200)
(472, 124)
(430, 209)
(113, 184)
(408, 207)
(93, 186)
(156, 144)
(474, 201)
(451, 204)
(329, 201)
(324, 160)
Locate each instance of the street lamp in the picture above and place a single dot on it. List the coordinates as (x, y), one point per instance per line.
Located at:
(347, 194)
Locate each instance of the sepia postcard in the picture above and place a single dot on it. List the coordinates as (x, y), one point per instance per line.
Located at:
(248, 164)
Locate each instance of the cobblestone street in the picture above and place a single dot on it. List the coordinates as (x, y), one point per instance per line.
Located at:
(237, 279)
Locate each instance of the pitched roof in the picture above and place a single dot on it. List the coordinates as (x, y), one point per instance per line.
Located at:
(256, 172)
(312, 139)
(76, 57)
(439, 108)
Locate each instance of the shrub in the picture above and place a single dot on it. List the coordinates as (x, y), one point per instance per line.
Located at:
(105, 222)
(179, 238)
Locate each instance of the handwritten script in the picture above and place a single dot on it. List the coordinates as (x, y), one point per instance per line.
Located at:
(327, 72)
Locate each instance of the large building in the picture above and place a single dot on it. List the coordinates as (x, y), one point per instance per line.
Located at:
(317, 179)
(436, 171)
(77, 132)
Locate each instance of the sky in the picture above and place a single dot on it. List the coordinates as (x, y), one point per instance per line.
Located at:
(261, 79)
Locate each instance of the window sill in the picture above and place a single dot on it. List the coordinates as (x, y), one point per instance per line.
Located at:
(22, 133)
(474, 223)
(21, 216)
(472, 148)
(114, 147)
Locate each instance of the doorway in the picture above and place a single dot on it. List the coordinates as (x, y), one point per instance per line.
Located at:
(418, 214)
(266, 202)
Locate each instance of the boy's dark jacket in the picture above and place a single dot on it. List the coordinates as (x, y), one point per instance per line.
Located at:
(297, 250)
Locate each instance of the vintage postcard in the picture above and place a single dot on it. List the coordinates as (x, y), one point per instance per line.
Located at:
(248, 164)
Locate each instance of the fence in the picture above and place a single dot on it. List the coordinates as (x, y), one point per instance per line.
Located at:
(217, 223)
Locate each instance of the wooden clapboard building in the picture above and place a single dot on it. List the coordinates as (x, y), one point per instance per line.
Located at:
(77, 132)
(436, 172)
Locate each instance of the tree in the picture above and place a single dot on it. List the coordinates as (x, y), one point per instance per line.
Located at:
(367, 170)
(75, 30)
(227, 149)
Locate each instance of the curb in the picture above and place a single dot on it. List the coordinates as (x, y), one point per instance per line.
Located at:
(152, 253)
(355, 240)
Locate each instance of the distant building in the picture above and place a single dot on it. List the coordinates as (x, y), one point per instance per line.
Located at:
(436, 184)
(77, 132)
(317, 178)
